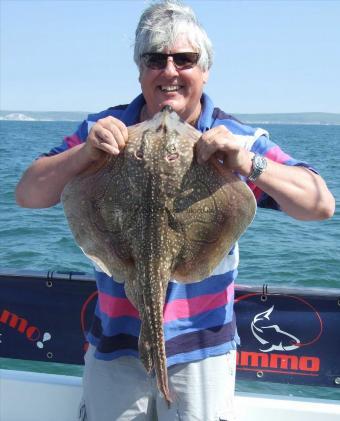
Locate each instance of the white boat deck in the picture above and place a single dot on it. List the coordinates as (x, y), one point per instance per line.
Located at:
(27, 396)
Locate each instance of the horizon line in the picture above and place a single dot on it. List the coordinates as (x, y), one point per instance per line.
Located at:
(236, 112)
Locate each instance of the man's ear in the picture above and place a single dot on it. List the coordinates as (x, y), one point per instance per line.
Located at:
(205, 76)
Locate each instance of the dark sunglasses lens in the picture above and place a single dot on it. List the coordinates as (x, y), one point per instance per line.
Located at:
(155, 60)
(183, 60)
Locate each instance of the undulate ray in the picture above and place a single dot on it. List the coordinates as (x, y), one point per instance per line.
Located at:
(152, 214)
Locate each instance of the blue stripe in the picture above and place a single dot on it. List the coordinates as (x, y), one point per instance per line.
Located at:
(125, 324)
(218, 316)
(200, 354)
(220, 337)
(113, 112)
(132, 112)
(262, 145)
(211, 285)
(108, 285)
(204, 122)
(94, 340)
(204, 338)
(82, 131)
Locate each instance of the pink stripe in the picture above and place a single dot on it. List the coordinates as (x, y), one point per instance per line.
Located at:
(277, 155)
(116, 307)
(177, 309)
(184, 308)
(72, 140)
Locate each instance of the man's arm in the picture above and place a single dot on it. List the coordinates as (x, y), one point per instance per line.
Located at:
(43, 182)
(299, 192)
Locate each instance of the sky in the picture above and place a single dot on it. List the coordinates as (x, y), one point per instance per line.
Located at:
(74, 55)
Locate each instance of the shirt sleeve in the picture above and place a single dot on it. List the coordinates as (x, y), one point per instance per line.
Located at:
(79, 136)
(265, 147)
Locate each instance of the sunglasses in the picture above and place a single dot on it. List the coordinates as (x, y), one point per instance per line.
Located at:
(159, 61)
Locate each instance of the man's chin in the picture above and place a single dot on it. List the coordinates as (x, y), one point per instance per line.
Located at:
(173, 104)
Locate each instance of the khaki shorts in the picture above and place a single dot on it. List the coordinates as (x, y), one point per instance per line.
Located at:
(121, 390)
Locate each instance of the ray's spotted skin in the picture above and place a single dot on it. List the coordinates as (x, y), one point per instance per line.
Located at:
(152, 214)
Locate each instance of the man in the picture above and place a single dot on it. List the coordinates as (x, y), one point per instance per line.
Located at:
(174, 56)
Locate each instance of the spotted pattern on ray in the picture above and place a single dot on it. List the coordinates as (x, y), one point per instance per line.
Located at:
(152, 214)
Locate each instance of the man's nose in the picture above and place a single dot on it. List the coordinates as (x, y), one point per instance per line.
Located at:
(170, 68)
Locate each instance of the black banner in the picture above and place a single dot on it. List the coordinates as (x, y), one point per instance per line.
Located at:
(43, 317)
(287, 335)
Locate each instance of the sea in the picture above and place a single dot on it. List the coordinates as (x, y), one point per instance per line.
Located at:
(275, 250)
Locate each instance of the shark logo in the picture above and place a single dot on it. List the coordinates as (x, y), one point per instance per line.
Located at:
(271, 335)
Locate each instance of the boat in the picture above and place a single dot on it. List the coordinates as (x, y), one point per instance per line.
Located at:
(288, 336)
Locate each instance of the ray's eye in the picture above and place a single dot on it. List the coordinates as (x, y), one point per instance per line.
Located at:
(139, 154)
(171, 148)
(172, 154)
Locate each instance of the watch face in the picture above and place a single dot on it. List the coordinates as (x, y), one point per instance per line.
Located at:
(259, 165)
(259, 162)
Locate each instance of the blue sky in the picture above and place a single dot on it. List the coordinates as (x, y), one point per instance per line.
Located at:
(270, 56)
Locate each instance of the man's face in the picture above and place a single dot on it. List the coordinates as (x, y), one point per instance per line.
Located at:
(181, 89)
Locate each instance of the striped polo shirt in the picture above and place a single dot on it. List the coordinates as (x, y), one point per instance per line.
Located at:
(199, 319)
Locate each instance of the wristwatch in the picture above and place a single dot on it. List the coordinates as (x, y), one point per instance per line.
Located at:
(259, 164)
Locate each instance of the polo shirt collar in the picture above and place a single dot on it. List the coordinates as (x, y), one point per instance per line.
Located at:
(205, 120)
(132, 112)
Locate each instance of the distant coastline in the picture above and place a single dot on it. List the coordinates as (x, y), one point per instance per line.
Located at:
(42, 115)
(268, 118)
(291, 118)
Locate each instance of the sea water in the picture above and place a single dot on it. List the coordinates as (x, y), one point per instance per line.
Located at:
(275, 250)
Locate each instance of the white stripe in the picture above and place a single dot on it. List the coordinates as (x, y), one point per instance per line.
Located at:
(228, 263)
(90, 124)
(248, 141)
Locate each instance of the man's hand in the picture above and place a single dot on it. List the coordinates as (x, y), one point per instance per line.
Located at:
(107, 135)
(222, 144)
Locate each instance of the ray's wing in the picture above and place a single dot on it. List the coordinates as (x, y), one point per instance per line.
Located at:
(100, 204)
(96, 215)
(213, 210)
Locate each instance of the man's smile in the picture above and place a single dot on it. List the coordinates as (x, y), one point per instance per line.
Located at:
(170, 88)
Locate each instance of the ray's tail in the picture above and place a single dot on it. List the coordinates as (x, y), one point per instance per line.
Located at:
(152, 344)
